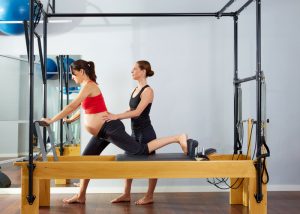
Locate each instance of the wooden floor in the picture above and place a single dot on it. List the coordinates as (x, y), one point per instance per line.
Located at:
(165, 203)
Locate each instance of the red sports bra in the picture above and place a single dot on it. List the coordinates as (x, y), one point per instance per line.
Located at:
(94, 105)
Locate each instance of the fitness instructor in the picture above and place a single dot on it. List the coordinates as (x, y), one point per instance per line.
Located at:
(142, 131)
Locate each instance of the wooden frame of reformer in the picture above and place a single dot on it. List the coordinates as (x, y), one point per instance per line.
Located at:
(105, 167)
(36, 175)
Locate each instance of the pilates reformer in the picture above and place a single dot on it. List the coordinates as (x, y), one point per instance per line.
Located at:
(114, 167)
(163, 165)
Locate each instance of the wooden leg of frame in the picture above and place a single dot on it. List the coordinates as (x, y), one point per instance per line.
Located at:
(236, 195)
(25, 206)
(255, 207)
(45, 192)
(246, 192)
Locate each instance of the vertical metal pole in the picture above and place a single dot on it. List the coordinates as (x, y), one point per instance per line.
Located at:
(44, 83)
(53, 5)
(26, 36)
(67, 80)
(258, 196)
(61, 104)
(58, 59)
(236, 86)
(45, 69)
(30, 196)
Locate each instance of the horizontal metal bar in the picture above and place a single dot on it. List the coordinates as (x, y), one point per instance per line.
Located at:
(51, 21)
(243, 7)
(247, 79)
(18, 58)
(220, 13)
(135, 14)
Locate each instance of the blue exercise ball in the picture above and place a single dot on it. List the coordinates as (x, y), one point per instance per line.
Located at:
(65, 90)
(51, 68)
(66, 67)
(73, 89)
(13, 10)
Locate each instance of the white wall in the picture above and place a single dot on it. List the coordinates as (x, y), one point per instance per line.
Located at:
(193, 61)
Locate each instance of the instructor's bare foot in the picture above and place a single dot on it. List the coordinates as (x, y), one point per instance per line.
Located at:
(121, 198)
(183, 142)
(145, 200)
(74, 199)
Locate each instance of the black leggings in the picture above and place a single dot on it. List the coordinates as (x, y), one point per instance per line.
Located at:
(114, 132)
(144, 135)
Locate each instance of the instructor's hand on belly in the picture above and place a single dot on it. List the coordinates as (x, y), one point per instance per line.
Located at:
(108, 117)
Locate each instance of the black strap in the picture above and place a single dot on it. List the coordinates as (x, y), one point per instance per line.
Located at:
(140, 92)
(266, 146)
(264, 171)
(133, 92)
(264, 143)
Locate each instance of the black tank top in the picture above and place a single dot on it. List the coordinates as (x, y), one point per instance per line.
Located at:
(143, 120)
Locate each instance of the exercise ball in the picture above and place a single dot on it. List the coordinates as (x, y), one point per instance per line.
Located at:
(13, 10)
(51, 68)
(73, 89)
(65, 90)
(66, 67)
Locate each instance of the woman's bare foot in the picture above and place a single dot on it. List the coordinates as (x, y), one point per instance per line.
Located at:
(121, 198)
(145, 200)
(75, 199)
(183, 142)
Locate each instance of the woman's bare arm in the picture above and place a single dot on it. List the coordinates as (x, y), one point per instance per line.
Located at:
(84, 92)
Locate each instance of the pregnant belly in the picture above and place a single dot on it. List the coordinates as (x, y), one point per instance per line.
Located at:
(94, 122)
